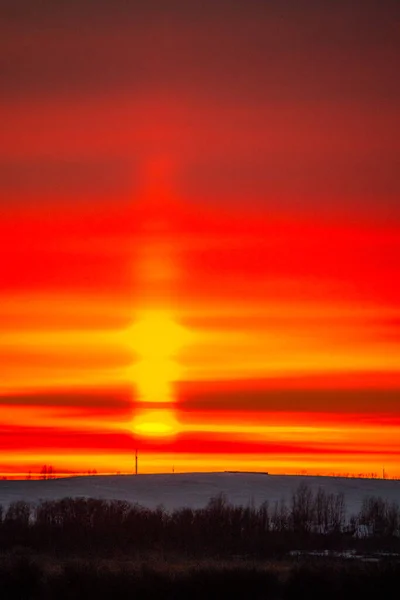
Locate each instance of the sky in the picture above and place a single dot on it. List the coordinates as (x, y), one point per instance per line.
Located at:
(200, 236)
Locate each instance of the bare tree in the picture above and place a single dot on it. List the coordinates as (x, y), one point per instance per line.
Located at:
(302, 514)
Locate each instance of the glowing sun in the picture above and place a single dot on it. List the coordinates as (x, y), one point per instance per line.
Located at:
(157, 340)
(156, 423)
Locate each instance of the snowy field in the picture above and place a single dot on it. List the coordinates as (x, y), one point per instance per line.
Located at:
(195, 489)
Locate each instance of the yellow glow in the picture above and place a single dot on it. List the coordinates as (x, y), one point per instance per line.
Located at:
(156, 423)
(156, 335)
(157, 339)
(153, 380)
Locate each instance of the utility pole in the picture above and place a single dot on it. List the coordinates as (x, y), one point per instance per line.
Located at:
(136, 462)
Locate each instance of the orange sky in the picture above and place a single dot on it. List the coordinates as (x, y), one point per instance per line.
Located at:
(200, 238)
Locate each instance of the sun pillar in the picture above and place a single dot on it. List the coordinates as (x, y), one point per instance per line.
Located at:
(157, 337)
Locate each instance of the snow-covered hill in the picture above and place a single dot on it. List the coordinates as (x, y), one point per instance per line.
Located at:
(194, 489)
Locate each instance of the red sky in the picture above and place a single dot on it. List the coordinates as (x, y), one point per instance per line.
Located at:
(200, 236)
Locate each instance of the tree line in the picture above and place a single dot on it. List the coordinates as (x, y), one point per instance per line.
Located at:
(308, 521)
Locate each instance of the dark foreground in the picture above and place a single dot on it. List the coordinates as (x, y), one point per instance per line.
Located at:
(93, 549)
(37, 578)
